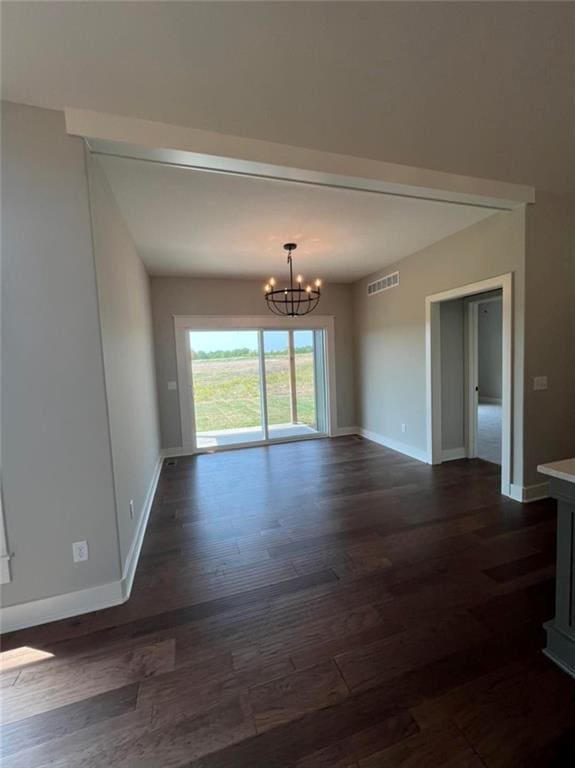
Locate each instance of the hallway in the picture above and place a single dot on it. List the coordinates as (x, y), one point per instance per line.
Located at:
(489, 432)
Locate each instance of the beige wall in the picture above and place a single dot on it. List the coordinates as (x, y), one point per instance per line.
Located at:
(452, 326)
(126, 324)
(57, 469)
(390, 327)
(489, 347)
(185, 296)
(549, 331)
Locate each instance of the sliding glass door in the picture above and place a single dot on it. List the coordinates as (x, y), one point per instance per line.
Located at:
(226, 380)
(260, 385)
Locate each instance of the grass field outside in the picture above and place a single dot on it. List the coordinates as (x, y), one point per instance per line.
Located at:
(227, 391)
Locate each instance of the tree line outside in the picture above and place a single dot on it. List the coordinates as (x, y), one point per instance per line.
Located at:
(231, 354)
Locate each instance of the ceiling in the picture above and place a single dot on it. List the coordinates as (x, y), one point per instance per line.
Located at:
(484, 89)
(189, 222)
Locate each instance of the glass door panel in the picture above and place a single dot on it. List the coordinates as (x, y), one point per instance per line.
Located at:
(295, 391)
(279, 402)
(303, 361)
(226, 387)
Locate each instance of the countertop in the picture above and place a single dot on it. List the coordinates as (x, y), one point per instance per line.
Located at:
(563, 470)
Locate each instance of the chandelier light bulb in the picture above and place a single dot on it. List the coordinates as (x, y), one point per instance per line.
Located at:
(267, 287)
(272, 281)
(308, 288)
(318, 283)
(299, 279)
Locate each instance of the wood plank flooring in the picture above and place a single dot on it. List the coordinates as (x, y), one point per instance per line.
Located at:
(322, 604)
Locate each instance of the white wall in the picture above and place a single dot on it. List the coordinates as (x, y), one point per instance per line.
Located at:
(390, 327)
(57, 467)
(187, 296)
(489, 349)
(126, 324)
(452, 374)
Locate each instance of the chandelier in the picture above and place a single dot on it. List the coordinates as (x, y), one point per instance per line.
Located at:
(295, 300)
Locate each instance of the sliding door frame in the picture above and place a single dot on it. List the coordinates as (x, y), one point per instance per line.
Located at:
(183, 324)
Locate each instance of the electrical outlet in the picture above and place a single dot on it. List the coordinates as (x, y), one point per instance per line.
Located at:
(172, 385)
(404, 427)
(80, 551)
(132, 508)
(539, 382)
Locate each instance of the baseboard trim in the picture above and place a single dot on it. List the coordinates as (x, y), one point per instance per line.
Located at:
(48, 609)
(527, 493)
(344, 431)
(394, 445)
(174, 453)
(134, 554)
(560, 648)
(58, 607)
(451, 454)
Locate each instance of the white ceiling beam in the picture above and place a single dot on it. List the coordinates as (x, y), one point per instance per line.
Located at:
(217, 152)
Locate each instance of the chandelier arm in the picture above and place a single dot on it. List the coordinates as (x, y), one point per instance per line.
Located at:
(292, 302)
(272, 305)
(276, 307)
(312, 304)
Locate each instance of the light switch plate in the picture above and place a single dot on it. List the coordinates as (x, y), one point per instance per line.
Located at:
(539, 382)
(172, 385)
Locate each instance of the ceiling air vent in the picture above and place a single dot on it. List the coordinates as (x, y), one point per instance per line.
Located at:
(383, 284)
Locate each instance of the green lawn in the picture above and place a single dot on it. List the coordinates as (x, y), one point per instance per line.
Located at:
(227, 395)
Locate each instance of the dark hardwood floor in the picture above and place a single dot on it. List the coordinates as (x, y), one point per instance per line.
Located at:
(323, 604)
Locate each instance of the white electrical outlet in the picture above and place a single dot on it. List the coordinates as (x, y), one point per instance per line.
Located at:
(539, 382)
(80, 550)
(172, 385)
(404, 427)
(132, 508)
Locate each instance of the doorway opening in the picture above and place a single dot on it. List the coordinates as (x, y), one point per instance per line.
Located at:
(484, 369)
(468, 367)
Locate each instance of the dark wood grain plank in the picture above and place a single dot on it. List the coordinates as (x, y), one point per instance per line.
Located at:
(290, 697)
(62, 721)
(444, 746)
(521, 566)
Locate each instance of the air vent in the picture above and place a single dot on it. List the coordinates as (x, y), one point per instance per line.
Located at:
(383, 284)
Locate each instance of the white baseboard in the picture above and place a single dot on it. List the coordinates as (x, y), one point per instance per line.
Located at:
(490, 400)
(451, 454)
(560, 647)
(527, 493)
(343, 431)
(14, 617)
(173, 453)
(134, 554)
(394, 445)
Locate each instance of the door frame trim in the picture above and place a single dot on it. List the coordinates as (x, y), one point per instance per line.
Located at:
(433, 368)
(185, 323)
